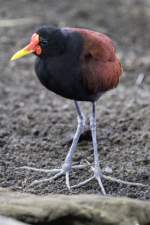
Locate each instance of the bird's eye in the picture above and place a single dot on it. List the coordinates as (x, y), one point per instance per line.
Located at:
(43, 42)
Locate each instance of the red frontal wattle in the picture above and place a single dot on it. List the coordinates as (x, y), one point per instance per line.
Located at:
(38, 50)
(34, 46)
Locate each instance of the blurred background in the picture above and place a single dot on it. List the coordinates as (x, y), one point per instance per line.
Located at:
(35, 124)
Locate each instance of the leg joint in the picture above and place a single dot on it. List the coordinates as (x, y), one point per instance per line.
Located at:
(81, 119)
(93, 123)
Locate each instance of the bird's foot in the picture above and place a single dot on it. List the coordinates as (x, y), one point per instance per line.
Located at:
(65, 170)
(98, 175)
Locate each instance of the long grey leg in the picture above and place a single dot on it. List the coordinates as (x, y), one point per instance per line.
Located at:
(67, 165)
(68, 160)
(96, 169)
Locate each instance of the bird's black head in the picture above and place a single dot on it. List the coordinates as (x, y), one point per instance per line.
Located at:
(51, 40)
(45, 42)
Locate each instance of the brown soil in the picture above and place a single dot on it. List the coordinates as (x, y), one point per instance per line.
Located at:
(35, 123)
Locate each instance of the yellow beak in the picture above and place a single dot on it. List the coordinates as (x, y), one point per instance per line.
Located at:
(33, 46)
(21, 53)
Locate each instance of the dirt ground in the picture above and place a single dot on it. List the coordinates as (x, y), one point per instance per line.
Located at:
(35, 124)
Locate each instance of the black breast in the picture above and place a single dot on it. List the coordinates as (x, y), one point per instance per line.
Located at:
(62, 73)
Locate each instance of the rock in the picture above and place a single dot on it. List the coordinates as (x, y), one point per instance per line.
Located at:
(73, 209)
(9, 221)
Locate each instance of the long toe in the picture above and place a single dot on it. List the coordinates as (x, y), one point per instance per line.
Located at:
(83, 182)
(51, 171)
(67, 181)
(98, 176)
(57, 175)
(101, 185)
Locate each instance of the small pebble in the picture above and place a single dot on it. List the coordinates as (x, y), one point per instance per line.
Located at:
(108, 170)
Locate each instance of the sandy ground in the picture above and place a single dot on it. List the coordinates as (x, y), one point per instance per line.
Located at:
(35, 124)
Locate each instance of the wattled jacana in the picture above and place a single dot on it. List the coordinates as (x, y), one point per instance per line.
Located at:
(78, 64)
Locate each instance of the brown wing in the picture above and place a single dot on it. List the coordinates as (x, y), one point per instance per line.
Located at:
(101, 68)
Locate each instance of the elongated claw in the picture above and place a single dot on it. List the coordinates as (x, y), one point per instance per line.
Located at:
(113, 179)
(67, 181)
(83, 183)
(101, 185)
(47, 179)
(39, 170)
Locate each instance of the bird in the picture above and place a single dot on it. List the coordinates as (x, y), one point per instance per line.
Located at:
(81, 65)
